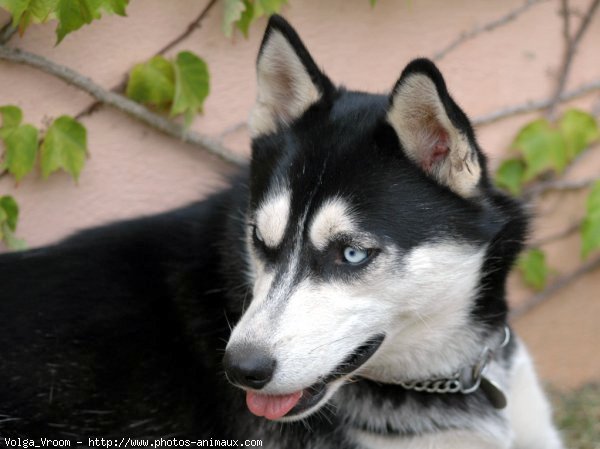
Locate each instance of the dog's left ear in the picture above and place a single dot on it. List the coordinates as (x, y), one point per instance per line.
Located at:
(433, 131)
(289, 81)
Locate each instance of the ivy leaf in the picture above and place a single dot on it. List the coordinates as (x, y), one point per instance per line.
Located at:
(16, 8)
(12, 242)
(191, 85)
(252, 12)
(73, 14)
(232, 12)
(9, 216)
(579, 129)
(41, 10)
(590, 228)
(65, 146)
(272, 6)
(532, 265)
(510, 175)
(9, 211)
(21, 150)
(11, 117)
(116, 6)
(543, 148)
(152, 82)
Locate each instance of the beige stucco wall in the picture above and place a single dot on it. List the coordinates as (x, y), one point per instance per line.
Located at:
(135, 170)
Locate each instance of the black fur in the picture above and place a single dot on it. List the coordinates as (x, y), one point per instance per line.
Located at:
(120, 330)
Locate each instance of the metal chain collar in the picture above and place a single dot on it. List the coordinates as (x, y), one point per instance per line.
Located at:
(465, 381)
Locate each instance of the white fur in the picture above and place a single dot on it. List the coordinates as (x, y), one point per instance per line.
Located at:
(421, 302)
(285, 89)
(528, 409)
(272, 217)
(333, 218)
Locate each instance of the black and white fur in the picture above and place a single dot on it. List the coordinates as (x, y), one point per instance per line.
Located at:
(120, 330)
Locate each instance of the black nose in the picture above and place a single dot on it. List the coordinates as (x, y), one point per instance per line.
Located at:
(249, 366)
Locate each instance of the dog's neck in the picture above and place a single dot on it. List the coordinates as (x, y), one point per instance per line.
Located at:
(437, 349)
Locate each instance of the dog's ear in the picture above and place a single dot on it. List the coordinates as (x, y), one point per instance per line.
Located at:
(433, 131)
(289, 81)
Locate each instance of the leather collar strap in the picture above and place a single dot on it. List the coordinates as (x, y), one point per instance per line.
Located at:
(469, 379)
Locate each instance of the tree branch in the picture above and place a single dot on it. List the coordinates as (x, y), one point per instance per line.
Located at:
(490, 26)
(93, 107)
(571, 45)
(566, 232)
(6, 33)
(558, 285)
(535, 105)
(189, 30)
(120, 102)
(560, 185)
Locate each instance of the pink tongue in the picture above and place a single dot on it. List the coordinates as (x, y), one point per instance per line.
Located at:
(271, 407)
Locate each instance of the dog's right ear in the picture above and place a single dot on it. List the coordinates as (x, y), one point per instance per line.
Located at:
(289, 81)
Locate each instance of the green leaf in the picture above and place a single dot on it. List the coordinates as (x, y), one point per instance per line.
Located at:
(543, 148)
(252, 12)
(65, 146)
(116, 6)
(191, 85)
(11, 240)
(21, 150)
(73, 14)
(11, 117)
(41, 10)
(232, 12)
(271, 6)
(16, 8)
(152, 82)
(532, 265)
(579, 129)
(9, 211)
(373, 3)
(590, 228)
(510, 175)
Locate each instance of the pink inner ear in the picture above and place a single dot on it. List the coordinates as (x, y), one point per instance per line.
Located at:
(438, 151)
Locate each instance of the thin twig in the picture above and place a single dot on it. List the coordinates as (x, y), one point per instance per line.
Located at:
(560, 185)
(120, 102)
(6, 33)
(490, 26)
(119, 88)
(563, 234)
(556, 286)
(189, 30)
(571, 45)
(535, 105)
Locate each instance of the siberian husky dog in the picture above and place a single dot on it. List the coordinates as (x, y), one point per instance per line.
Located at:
(347, 291)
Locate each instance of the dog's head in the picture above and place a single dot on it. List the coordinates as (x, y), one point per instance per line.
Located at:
(374, 237)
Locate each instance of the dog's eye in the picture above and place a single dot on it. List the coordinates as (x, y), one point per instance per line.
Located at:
(257, 235)
(355, 256)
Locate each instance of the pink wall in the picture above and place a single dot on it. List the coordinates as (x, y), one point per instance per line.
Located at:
(135, 170)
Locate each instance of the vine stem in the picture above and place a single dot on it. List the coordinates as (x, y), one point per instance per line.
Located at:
(535, 105)
(121, 103)
(571, 44)
(561, 185)
(91, 108)
(490, 26)
(559, 284)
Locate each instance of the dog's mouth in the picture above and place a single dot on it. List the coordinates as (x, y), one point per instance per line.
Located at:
(298, 403)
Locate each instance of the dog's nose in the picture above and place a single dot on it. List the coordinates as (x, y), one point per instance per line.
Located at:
(249, 366)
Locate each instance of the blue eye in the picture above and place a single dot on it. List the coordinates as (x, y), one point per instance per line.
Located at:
(355, 255)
